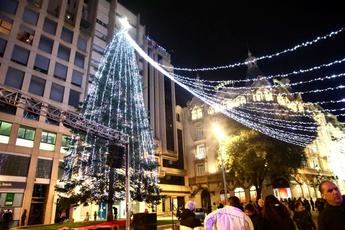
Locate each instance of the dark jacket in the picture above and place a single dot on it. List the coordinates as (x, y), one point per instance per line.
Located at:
(332, 217)
(188, 219)
(304, 220)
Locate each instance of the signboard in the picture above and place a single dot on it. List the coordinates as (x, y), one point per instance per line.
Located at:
(9, 199)
(10, 184)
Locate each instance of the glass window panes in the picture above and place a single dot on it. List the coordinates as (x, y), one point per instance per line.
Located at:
(37, 85)
(60, 71)
(3, 44)
(82, 43)
(57, 92)
(60, 170)
(9, 6)
(41, 64)
(14, 78)
(79, 60)
(5, 128)
(30, 16)
(200, 169)
(64, 141)
(44, 168)
(46, 44)
(196, 113)
(49, 26)
(239, 192)
(64, 52)
(26, 133)
(17, 199)
(20, 55)
(200, 152)
(13, 165)
(74, 97)
(77, 78)
(48, 138)
(67, 35)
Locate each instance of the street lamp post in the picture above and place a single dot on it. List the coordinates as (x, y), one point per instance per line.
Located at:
(221, 138)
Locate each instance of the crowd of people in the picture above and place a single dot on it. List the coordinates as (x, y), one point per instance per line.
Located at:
(273, 214)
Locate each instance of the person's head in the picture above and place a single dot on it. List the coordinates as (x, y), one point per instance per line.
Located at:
(235, 202)
(190, 205)
(275, 211)
(299, 207)
(249, 210)
(330, 192)
(261, 203)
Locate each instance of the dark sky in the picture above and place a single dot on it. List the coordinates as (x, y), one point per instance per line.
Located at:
(211, 33)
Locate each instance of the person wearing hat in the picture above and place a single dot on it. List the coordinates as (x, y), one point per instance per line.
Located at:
(188, 218)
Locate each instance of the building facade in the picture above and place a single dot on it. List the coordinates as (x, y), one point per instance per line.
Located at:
(204, 173)
(49, 54)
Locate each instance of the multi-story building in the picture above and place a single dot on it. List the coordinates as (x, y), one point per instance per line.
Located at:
(204, 173)
(49, 53)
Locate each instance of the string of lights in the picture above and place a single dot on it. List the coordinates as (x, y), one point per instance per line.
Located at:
(270, 56)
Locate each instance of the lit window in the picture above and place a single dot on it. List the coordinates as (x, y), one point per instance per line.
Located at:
(48, 141)
(200, 169)
(252, 191)
(239, 192)
(26, 137)
(199, 133)
(200, 152)
(196, 113)
(5, 26)
(5, 130)
(210, 111)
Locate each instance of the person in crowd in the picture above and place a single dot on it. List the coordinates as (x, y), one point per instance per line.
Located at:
(87, 216)
(115, 213)
(23, 218)
(95, 216)
(333, 214)
(7, 219)
(312, 204)
(276, 215)
(306, 205)
(303, 218)
(220, 205)
(319, 204)
(255, 217)
(188, 219)
(260, 206)
(229, 217)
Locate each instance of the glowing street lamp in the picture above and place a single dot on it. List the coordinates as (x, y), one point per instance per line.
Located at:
(221, 137)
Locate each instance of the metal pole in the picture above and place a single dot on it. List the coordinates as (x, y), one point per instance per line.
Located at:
(221, 147)
(128, 195)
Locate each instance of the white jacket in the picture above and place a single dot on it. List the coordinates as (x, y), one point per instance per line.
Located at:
(228, 218)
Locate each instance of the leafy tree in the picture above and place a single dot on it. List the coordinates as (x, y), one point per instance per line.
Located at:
(253, 157)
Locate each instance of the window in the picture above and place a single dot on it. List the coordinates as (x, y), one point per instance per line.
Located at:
(9, 6)
(37, 86)
(26, 133)
(30, 16)
(60, 71)
(199, 133)
(26, 34)
(14, 78)
(3, 44)
(252, 192)
(14, 165)
(5, 131)
(239, 192)
(82, 43)
(48, 138)
(60, 170)
(77, 78)
(5, 26)
(48, 141)
(46, 44)
(35, 3)
(74, 97)
(178, 117)
(64, 143)
(44, 168)
(25, 137)
(54, 7)
(67, 35)
(20, 55)
(200, 169)
(49, 26)
(79, 60)
(200, 152)
(41, 64)
(57, 92)
(64, 53)
(196, 113)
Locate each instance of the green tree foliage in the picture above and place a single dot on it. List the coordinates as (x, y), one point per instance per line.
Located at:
(252, 156)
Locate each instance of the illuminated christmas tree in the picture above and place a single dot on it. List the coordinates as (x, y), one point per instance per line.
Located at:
(94, 168)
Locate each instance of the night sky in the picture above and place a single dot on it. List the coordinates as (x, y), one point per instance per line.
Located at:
(200, 33)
